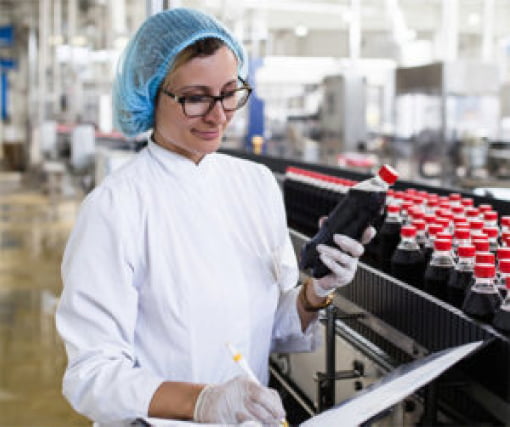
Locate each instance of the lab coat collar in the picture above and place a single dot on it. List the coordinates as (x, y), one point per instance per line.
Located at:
(177, 164)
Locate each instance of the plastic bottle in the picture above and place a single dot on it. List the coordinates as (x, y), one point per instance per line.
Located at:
(361, 206)
(501, 319)
(433, 231)
(421, 236)
(483, 298)
(389, 237)
(437, 273)
(461, 237)
(408, 261)
(462, 276)
(503, 272)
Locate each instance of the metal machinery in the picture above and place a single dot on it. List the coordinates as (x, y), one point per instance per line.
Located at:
(378, 323)
(342, 115)
(447, 111)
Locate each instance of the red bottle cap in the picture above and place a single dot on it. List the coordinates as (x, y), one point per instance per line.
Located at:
(484, 270)
(432, 202)
(481, 245)
(485, 258)
(419, 224)
(462, 233)
(444, 236)
(462, 225)
(393, 208)
(504, 265)
(455, 196)
(408, 231)
(388, 174)
(503, 253)
(490, 216)
(467, 201)
(491, 231)
(430, 218)
(435, 228)
(472, 212)
(457, 210)
(406, 205)
(443, 221)
(442, 244)
(484, 207)
(466, 251)
(505, 221)
(476, 224)
(418, 213)
(411, 190)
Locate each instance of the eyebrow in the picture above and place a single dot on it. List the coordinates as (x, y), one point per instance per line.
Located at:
(202, 87)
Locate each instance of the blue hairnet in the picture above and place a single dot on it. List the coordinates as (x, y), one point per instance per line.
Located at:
(148, 57)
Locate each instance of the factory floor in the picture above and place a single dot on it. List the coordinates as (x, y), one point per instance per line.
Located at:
(34, 225)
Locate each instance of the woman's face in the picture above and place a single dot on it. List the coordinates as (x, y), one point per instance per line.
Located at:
(198, 136)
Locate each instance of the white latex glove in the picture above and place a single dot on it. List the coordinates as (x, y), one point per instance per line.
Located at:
(342, 263)
(237, 401)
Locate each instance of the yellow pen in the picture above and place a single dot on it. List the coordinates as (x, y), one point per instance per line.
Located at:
(241, 361)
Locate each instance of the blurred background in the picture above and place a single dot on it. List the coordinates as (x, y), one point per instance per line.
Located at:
(423, 84)
(351, 84)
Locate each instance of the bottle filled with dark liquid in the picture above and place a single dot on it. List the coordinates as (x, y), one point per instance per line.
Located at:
(407, 261)
(462, 276)
(438, 271)
(501, 318)
(360, 207)
(502, 275)
(432, 231)
(483, 298)
(389, 237)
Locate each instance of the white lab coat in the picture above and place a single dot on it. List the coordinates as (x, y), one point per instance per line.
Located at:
(167, 262)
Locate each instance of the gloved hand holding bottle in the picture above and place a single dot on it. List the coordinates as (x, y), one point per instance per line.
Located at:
(341, 261)
(238, 400)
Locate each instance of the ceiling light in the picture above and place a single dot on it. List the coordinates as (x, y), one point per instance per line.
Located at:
(473, 19)
(301, 30)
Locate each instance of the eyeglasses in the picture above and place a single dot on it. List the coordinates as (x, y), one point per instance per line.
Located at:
(201, 105)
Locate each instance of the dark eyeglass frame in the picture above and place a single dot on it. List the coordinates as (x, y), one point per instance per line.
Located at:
(214, 99)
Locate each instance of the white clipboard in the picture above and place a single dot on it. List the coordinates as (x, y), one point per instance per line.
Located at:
(393, 388)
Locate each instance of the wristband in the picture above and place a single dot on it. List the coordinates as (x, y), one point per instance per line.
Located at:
(307, 305)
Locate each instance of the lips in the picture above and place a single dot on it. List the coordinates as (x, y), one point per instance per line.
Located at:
(208, 135)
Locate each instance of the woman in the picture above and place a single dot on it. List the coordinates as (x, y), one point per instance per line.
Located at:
(184, 249)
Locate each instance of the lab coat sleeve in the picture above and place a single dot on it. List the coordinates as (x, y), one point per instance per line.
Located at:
(287, 332)
(97, 313)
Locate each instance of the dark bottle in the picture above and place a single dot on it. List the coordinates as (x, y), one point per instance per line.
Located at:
(439, 269)
(421, 236)
(361, 206)
(501, 319)
(407, 261)
(492, 237)
(482, 299)
(461, 237)
(503, 272)
(389, 237)
(432, 231)
(462, 276)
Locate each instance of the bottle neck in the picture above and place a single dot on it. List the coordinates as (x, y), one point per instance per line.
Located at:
(485, 285)
(442, 258)
(408, 243)
(465, 264)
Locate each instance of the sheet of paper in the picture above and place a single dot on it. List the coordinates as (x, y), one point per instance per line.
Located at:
(393, 388)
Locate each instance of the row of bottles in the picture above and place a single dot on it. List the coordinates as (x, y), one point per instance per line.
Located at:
(444, 245)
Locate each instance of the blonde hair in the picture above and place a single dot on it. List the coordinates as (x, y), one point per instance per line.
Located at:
(202, 47)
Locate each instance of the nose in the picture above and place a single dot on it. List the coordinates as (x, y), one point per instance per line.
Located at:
(217, 113)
